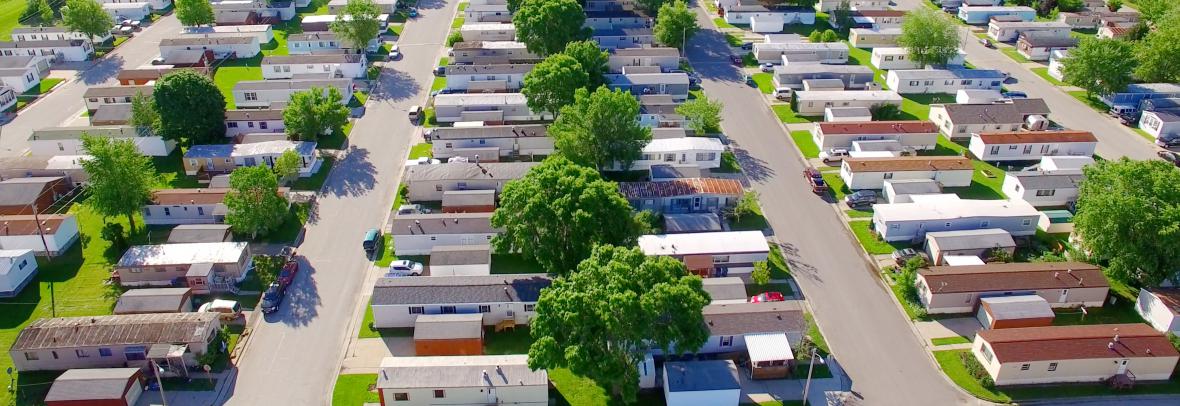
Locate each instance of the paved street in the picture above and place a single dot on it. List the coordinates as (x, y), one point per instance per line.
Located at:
(65, 102)
(294, 355)
(1114, 139)
(867, 333)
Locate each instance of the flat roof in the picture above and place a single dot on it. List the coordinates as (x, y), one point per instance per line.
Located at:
(1047, 180)
(448, 326)
(124, 329)
(704, 243)
(472, 371)
(80, 385)
(683, 144)
(479, 99)
(1017, 307)
(908, 164)
(1006, 112)
(913, 186)
(827, 95)
(183, 254)
(949, 207)
(725, 288)
(459, 289)
(971, 239)
(153, 300)
(442, 255)
(701, 376)
(488, 131)
(691, 223)
(468, 170)
(27, 224)
(946, 74)
(768, 347)
(442, 223)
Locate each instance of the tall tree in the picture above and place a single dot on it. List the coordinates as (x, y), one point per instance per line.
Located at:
(929, 36)
(551, 84)
(357, 24)
(1114, 5)
(675, 25)
(121, 178)
(592, 58)
(87, 17)
(600, 129)
(1101, 66)
(546, 26)
(315, 112)
(654, 7)
(37, 12)
(842, 16)
(1154, 10)
(557, 212)
(1128, 216)
(194, 12)
(1069, 6)
(253, 201)
(1158, 53)
(191, 108)
(287, 166)
(703, 114)
(600, 321)
(514, 5)
(143, 113)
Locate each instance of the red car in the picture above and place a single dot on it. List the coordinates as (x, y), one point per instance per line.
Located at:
(815, 180)
(767, 297)
(287, 275)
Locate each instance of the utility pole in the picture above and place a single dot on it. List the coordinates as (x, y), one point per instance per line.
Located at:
(810, 368)
(41, 230)
(159, 381)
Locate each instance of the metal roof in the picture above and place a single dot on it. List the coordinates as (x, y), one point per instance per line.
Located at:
(701, 376)
(474, 371)
(130, 329)
(459, 289)
(769, 347)
(183, 254)
(448, 326)
(80, 385)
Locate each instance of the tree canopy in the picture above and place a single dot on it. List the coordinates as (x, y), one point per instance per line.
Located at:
(551, 84)
(121, 178)
(37, 12)
(600, 321)
(557, 212)
(1154, 10)
(315, 112)
(929, 36)
(651, 6)
(191, 108)
(1101, 66)
(194, 12)
(143, 113)
(546, 26)
(253, 203)
(1158, 53)
(287, 166)
(600, 129)
(592, 58)
(1128, 216)
(87, 17)
(675, 25)
(703, 114)
(357, 24)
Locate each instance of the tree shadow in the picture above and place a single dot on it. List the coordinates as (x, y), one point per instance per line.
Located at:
(754, 168)
(353, 175)
(101, 71)
(395, 85)
(303, 298)
(709, 53)
(432, 4)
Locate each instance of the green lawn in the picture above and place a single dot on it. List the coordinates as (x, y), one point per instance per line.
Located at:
(386, 256)
(463, 6)
(733, 40)
(366, 331)
(787, 115)
(870, 241)
(457, 22)
(1093, 102)
(986, 182)
(754, 289)
(353, 390)
(278, 46)
(778, 264)
(443, 61)
(1044, 74)
(861, 56)
(835, 185)
(954, 369)
(765, 82)
(729, 163)
(1123, 312)
(45, 86)
(10, 11)
(950, 340)
(1012, 53)
(315, 182)
(513, 263)
(859, 214)
(917, 106)
(236, 70)
(439, 83)
(515, 341)
(573, 390)
(396, 29)
(805, 143)
(171, 172)
(720, 23)
(421, 150)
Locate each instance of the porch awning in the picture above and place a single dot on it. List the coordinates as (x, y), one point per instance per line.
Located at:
(768, 347)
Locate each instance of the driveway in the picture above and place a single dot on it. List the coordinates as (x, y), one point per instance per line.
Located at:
(65, 104)
(867, 333)
(295, 354)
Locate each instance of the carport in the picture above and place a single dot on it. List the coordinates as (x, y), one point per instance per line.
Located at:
(770, 356)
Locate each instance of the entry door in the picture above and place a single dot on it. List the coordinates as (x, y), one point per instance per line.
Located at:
(492, 396)
(1064, 295)
(696, 203)
(1122, 367)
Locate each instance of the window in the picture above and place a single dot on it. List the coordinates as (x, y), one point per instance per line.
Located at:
(966, 82)
(888, 175)
(54, 354)
(80, 353)
(439, 394)
(984, 224)
(1046, 192)
(262, 125)
(529, 307)
(417, 310)
(1010, 147)
(995, 149)
(1052, 366)
(438, 188)
(706, 156)
(200, 210)
(727, 341)
(485, 308)
(23, 264)
(669, 157)
(104, 352)
(448, 310)
(250, 96)
(401, 396)
(987, 352)
(31, 356)
(895, 226)
(1027, 149)
(913, 83)
(250, 124)
(310, 67)
(1026, 222)
(278, 69)
(719, 259)
(167, 211)
(231, 124)
(462, 185)
(1024, 367)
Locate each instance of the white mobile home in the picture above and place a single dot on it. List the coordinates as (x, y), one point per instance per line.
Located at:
(66, 50)
(692, 383)
(491, 52)
(918, 135)
(17, 269)
(418, 234)
(55, 141)
(508, 140)
(313, 65)
(698, 152)
(1008, 31)
(851, 76)
(957, 289)
(429, 182)
(263, 32)
(461, 260)
(620, 38)
(901, 190)
(824, 52)
(469, 380)
(486, 78)
(397, 302)
(927, 213)
(490, 108)
(240, 46)
(185, 206)
(1160, 307)
(1161, 123)
(1037, 47)
(674, 84)
(813, 103)
(253, 121)
(114, 341)
(127, 11)
(889, 58)
(710, 254)
(828, 6)
(1041, 188)
(52, 33)
(25, 231)
(926, 81)
(261, 93)
(977, 243)
(874, 37)
(665, 58)
(976, 15)
(1031, 145)
(871, 173)
(22, 73)
(959, 121)
(488, 32)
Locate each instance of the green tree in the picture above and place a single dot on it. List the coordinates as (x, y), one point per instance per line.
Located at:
(557, 212)
(514, 5)
(87, 17)
(929, 36)
(357, 24)
(802, 3)
(885, 112)
(1128, 217)
(551, 84)
(1158, 53)
(816, 36)
(143, 113)
(747, 205)
(1137, 32)
(600, 321)
(37, 12)
(830, 36)
(253, 201)
(287, 166)
(194, 12)
(191, 108)
(546, 26)
(675, 25)
(454, 38)
(1070, 6)
(600, 129)
(652, 6)
(592, 58)
(315, 112)
(703, 114)
(842, 16)
(121, 178)
(761, 273)
(1114, 5)
(1101, 66)
(1154, 10)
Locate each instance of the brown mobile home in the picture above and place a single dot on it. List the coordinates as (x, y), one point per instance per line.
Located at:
(957, 289)
(448, 334)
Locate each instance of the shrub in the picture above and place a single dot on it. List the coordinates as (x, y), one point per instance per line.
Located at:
(455, 37)
(113, 233)
(746, 205)
(761, 273)
(976, 369)
(267, 268)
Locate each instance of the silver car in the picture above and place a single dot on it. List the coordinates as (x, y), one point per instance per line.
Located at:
(403, 267)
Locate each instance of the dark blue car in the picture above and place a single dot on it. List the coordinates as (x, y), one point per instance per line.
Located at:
(272, 298)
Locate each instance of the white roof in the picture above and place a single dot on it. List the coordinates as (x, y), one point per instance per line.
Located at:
(502, 45)
(877, 31)
(1058, 163)
(781, 38)
(950, 207)
(66, 162)
(704, 243)
(183, 254)
(785, 46)
(828, 95)
(683, 144)
(1017, 307)
(961, 260)
(487, 26)
(890, 51)
(480, 99)
(769, 347)
(125, 6)
(474, 371)
(8, 259)
(913, 186)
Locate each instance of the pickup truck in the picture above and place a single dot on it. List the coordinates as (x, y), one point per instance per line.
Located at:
(815, 180)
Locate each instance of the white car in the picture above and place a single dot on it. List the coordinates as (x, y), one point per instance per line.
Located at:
(226, 309)
(833, 154)
(412, 209)
(403, 267)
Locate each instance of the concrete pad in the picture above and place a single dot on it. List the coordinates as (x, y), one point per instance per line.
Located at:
(943, 328)
(366, 354)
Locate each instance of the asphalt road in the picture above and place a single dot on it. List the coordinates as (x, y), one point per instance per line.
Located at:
(293, 357)
(1114, 139)
(65, 102)
(867, 333)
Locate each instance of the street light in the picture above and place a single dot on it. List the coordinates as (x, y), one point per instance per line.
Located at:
(159, 381)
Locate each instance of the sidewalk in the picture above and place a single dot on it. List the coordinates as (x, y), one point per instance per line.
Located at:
(225, 383)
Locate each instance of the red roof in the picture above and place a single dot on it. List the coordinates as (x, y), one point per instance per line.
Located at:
(1170, 297)
(1034, 137)
(680, 187)
(908, 163)
(1135, 340)
(1013, 276)
(878, 127)
(27, 224)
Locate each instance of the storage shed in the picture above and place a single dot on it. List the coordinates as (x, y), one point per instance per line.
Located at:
(157, 300)
(967, 242)
(730, 289)
(469, 201)
(96, 387)
(448, 334)
(701, 383)
(1014, 311)
(461, 260)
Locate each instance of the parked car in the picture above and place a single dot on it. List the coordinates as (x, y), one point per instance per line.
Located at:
(987, 43)
(412, 209)
(403, 267)
(272, 298)
(1169, 156)
(287, 274)
(783, 93)
(767, 67)
(1129, 120)
(1015, 95)
(749, 81)
(372, 241)
(861, 198)
(440, 71)
(902, 255)
(815, 180)
(833, 154)
(414, 113)
(736, 59)
(225, 309)
(159, 60)
(1168, 142)
(767, 297)
(747, 46)
(413, 13)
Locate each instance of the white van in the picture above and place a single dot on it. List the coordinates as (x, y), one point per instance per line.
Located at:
(226, 309)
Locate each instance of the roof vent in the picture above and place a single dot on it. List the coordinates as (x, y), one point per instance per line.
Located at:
(1110, 346)
(1148, 351)
(1116, 337)
(1055, 274)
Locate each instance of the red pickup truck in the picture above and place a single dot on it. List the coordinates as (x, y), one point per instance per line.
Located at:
(815, 180)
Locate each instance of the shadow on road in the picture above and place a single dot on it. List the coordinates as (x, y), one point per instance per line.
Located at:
(395, 86)
(101, 72)
(432, 4)
(352, 175)
(303, 298)
(709, 54)
(755, 168)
